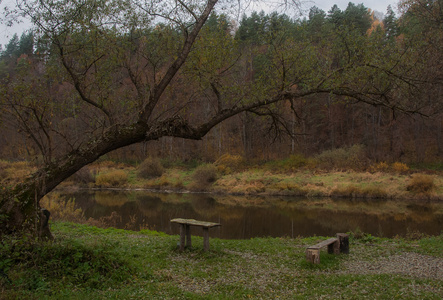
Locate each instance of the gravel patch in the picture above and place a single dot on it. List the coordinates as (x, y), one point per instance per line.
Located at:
(408, 263)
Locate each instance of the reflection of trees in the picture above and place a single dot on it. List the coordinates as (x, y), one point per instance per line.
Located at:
(111, 198)
(258, 216)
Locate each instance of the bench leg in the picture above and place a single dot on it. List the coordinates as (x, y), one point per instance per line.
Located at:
(313, 256)
(334, 248)
(206, 238)
(182, 237)
(343, 242)
(188, 237)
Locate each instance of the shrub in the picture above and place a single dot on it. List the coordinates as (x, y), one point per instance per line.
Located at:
(399, 167)
(228, 163)
(297, 161)
(379, 167)
(112, 179)
(343, 158)
(205, 174)
(421, 184)
(150, 168)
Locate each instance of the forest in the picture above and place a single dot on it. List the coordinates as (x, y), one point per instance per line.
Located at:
(188, 80)
(397, 60)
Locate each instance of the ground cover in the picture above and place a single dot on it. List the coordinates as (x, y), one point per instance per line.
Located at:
(94, 263)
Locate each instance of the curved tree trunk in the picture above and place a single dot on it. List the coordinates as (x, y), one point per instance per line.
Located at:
(19, 206)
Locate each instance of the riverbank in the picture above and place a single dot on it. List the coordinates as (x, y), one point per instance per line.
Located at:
(89, 262)
(380, 181)
(230, 175)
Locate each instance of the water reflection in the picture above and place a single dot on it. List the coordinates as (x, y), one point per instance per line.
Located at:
(247, 217)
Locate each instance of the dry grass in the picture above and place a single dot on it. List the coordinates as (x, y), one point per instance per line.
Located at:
(14, 172)
(114, 178)
(62, 209)
(353, 191)
(421, 183)
(227, 163)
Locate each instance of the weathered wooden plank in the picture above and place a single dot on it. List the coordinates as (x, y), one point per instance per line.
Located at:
(193, 222)
(323, 243)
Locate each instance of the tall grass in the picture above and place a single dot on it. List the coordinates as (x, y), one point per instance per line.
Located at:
(114, 178)
(421, 183)
(62, 209)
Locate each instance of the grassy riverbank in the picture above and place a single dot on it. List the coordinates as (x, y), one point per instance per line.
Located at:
(286, 177)
(333, 175)
(88, 262)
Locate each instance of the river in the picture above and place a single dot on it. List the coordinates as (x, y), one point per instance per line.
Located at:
(244, 217)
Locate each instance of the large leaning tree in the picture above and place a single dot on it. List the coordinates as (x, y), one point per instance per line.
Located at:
(110, 73)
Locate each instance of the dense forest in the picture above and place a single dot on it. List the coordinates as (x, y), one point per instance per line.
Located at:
(184, 79)
(259, 53)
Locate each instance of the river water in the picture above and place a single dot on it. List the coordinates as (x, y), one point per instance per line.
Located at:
(244, 217)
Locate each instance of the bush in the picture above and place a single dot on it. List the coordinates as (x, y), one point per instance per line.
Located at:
(379, 167)
(228, 163)
(399, 167)
(343, 158)
(150, 168)
(112, 179)
(296, 161)
(205, 174)
(421, 184)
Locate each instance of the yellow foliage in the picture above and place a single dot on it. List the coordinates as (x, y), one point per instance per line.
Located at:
(379, 167)
(399, 167)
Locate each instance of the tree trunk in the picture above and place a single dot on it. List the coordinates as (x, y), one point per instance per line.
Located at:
(19, 207)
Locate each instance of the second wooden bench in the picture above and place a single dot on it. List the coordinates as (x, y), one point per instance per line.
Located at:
(337, 245)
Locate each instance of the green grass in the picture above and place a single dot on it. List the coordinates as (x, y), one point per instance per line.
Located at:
(93, 263)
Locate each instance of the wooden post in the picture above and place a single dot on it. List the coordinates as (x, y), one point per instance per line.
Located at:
(182, 236)
(344, 242)
(313, 255)
(206, 238)
(334, 248)
(188, 237)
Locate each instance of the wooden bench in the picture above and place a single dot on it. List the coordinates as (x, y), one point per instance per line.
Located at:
(337, 245)
(185, 231)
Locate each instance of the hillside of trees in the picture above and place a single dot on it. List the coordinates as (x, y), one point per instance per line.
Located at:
(184, 79)
(253, 52)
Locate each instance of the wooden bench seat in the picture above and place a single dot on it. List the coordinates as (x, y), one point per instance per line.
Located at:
(185, 231)
(337, 245)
